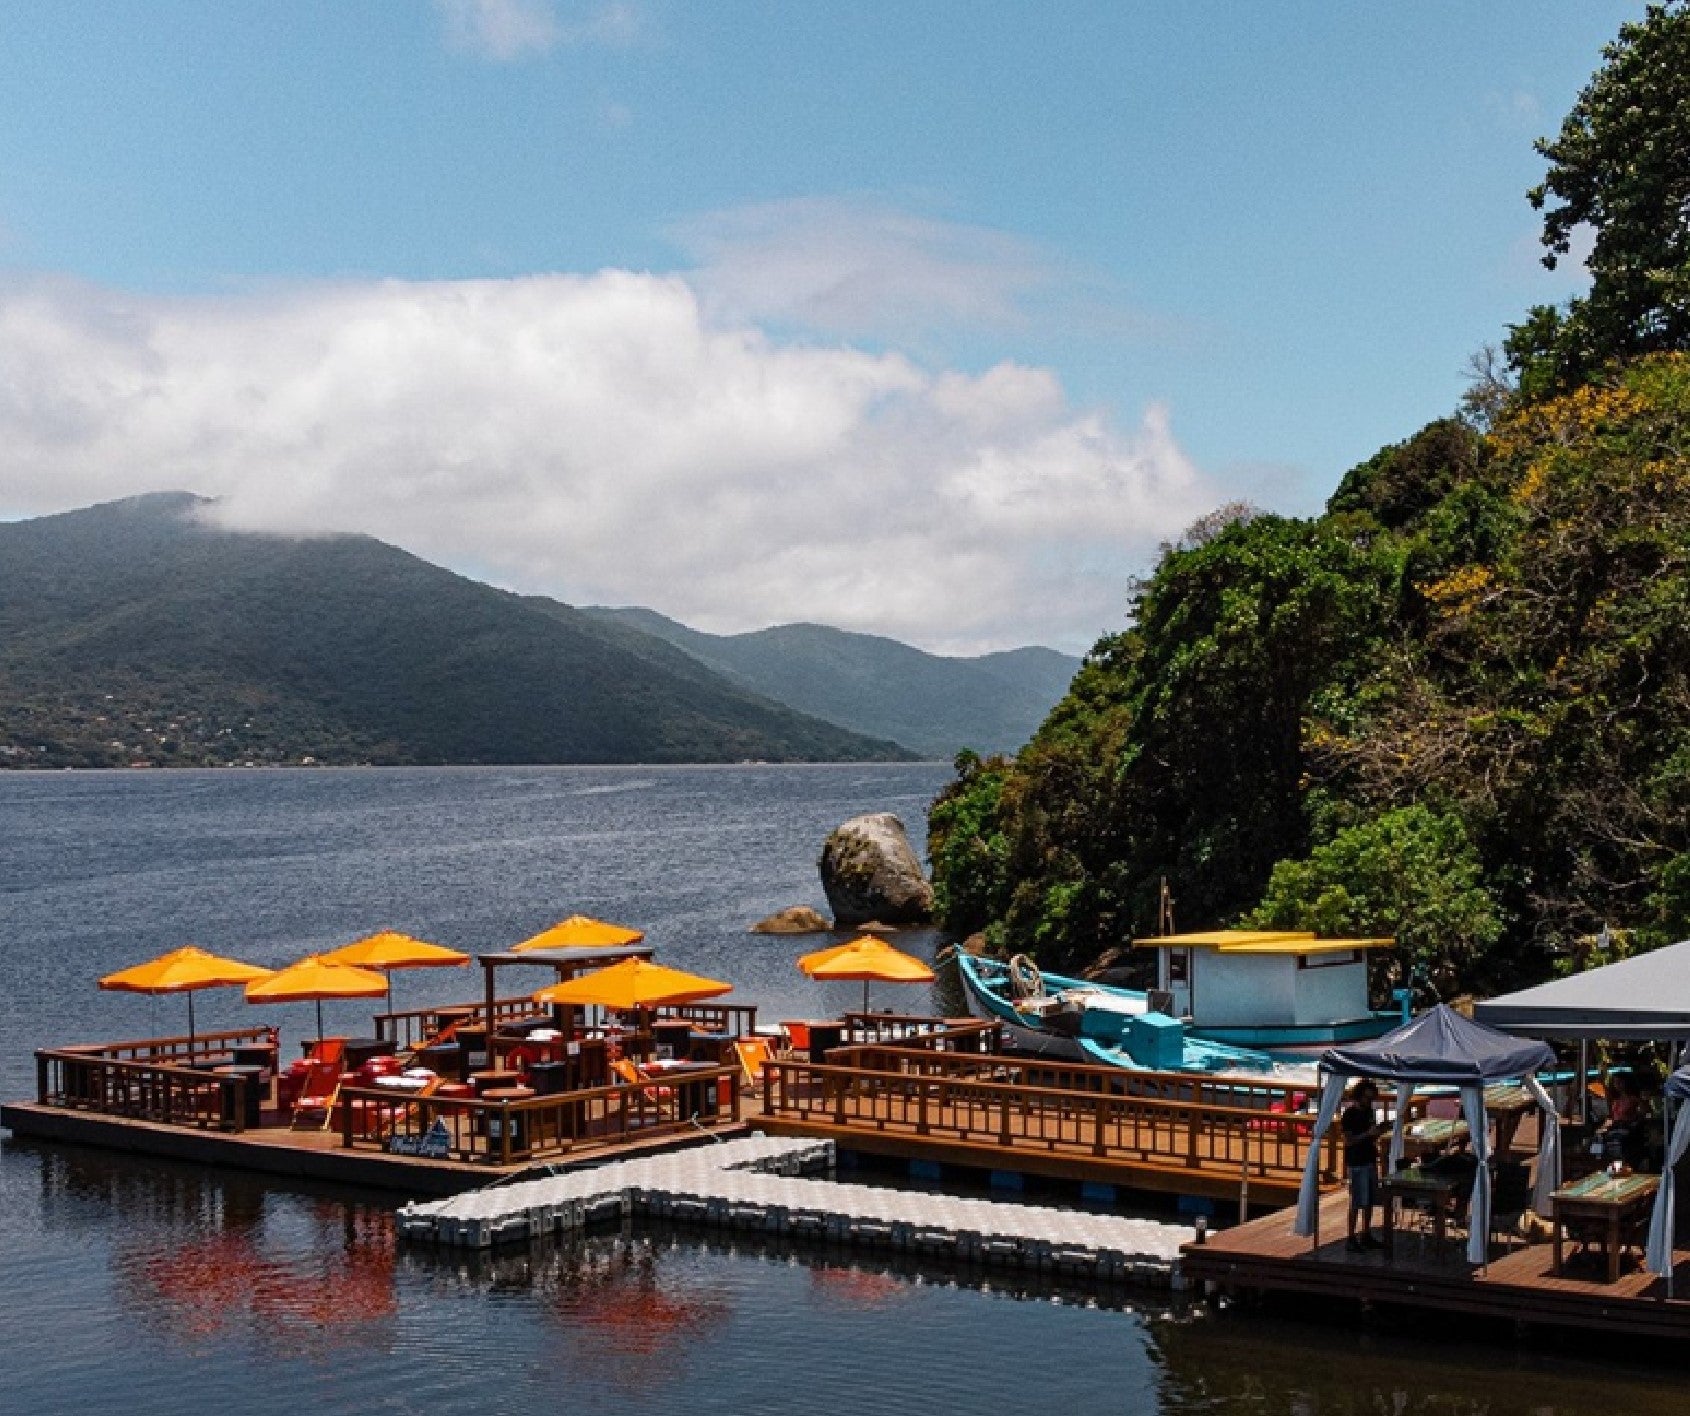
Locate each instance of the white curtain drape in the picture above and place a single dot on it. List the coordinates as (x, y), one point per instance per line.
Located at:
(1548, 1147)
(1659, 1253)
(1308, 1197)
(1478, 1211)
(1405, 1094)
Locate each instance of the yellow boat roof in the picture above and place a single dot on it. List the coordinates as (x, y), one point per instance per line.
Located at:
(1260, 941)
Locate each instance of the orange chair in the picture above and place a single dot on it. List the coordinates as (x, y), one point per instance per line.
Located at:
(318, 1096)
(753, 1054)
(328, 1049)
(651, 1092)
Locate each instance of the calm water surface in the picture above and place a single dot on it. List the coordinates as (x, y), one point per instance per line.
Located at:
(145, 1287)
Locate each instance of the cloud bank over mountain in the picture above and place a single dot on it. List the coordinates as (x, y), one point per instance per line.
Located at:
(612, 437)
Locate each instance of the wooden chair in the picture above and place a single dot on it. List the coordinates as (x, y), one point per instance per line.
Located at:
(650, 1093)
(318, 1096)
(753, 1055)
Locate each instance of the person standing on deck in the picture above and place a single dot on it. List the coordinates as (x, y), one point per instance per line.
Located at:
(1362, 1128)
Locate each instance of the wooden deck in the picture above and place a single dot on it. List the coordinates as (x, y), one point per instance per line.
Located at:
(1165, 1133)
(1519, 1286)
(307, 1155)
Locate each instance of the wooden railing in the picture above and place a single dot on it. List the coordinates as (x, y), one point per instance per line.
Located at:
(408, 1027)
(925, 1100)
(734, 1019)
(181, 1050)
(959, 1062)
(84, 1079)
(505, 1132)
(921, 1030)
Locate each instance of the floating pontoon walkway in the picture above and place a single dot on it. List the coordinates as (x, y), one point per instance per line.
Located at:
(757, 1185)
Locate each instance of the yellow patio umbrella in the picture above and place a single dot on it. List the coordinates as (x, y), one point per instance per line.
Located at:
(391, 950)
(633, 983)
(869, 959)
(313, 979)
(184, 970)
(580, 932)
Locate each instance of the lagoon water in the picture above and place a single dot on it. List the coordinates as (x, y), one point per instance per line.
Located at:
(139, 1287)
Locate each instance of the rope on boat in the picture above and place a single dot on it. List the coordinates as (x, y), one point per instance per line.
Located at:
(1025, 978)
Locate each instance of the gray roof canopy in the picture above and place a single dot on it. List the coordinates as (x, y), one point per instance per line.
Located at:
(1643, 998)
(1440, 1048)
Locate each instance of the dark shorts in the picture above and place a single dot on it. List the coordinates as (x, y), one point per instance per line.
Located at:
(1364, 1185)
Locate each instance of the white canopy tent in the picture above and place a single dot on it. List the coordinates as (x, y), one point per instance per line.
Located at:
(1439, 1048)
(1659, 1253)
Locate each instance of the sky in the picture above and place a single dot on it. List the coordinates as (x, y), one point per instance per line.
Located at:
(929, 319)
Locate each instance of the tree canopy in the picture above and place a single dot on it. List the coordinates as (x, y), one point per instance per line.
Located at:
(1619, 169)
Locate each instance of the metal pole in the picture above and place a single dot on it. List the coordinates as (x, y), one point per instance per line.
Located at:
(1582, 1116)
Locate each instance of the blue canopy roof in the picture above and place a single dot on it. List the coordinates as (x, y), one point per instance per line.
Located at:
(1441, 1047)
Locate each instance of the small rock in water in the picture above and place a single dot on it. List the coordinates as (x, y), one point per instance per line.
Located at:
(798, 919)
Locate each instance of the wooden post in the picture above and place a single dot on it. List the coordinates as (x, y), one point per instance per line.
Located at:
(1244, 1180)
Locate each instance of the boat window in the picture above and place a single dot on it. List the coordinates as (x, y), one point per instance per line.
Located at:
(1179, 966)
(1327, 961)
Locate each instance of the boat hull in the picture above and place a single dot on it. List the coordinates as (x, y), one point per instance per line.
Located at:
(1305, 1040)
(1201, 1054)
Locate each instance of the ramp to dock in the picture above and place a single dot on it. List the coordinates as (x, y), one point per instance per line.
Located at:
(757, 1184)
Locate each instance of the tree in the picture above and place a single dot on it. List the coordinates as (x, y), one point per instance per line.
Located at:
(1411, 873)
(1620, 167)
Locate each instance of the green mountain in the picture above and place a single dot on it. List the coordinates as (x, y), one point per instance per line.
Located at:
(135, 632)
(933, 704)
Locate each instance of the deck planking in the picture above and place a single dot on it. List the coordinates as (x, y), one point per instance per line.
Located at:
(1518, 1285)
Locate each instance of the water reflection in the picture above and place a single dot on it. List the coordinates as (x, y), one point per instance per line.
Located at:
(1249, 1362)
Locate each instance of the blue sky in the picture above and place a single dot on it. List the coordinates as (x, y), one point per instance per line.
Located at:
(941, 315)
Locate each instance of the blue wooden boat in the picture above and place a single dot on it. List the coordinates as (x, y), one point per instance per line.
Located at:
(1093, 1022)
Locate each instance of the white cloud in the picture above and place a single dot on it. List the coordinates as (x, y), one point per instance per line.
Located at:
(858, 267)
(602, 439)
(507, 30)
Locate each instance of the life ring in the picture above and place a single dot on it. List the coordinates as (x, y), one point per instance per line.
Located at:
(1025, 978)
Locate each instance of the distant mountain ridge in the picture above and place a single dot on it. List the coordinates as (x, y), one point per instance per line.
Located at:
(132, 632)
(928, 702)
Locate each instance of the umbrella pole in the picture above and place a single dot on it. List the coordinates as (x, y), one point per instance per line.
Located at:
(191, 1048)
(319, 1020)
(865, 995)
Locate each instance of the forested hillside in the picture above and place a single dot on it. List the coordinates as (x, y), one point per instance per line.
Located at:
(138, 633)
(1456, 706)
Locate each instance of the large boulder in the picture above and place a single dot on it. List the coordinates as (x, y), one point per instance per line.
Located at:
(870, 872)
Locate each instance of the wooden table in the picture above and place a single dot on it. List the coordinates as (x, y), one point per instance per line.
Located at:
(1508, 1102)
(1618, 1203)
(1434, 1134)
(1412, 1183)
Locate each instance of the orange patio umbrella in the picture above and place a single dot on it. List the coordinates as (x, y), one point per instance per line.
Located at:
(184, 970)
(869, 959)
(391, 950)
(631, 984)
(313, 979)
(580, 932)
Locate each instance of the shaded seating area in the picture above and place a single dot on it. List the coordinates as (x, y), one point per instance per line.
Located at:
(1440, 1048)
